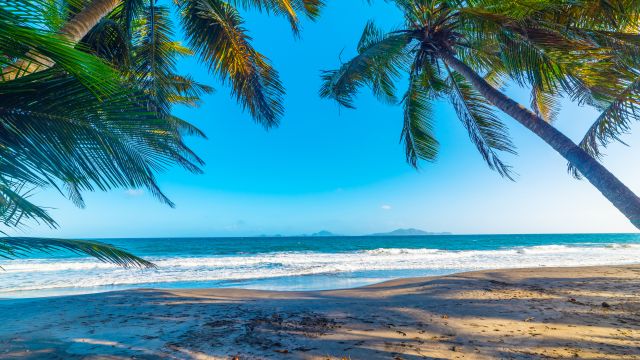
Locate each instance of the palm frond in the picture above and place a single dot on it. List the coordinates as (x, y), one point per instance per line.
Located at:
(311, 8)
(519, 45)
(417, 131)
(15, 207)
(215, 31)
(596, 14)
(537, 52)
(384, 70)
(54, 130)
(380, 59)
(127, 14)
(13, 247)
(545, 104)
(485, 130)
(277, 7)
(495, 78)
(46, 15)
(25, 48)
(613, 122)
(286, 8)
(186, 91)
(109, 41)
(155, 59)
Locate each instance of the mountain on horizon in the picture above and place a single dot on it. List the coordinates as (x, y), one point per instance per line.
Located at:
(324, 233)
(409, 232)
(396, 232)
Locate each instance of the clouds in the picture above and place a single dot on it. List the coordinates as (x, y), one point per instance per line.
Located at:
(385, 207)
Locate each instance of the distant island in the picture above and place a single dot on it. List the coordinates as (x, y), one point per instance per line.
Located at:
(324, 233)
(409, 232)
(397, 232)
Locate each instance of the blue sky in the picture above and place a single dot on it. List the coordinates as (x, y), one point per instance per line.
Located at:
(344, 170)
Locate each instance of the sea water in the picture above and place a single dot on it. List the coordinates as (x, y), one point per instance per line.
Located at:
(306, 263)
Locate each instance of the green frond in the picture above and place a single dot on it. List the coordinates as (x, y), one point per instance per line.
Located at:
(527, 62)
(535, 51)
(187, 91)
(127, 13)
(486, 131)
(495, 78)
(215, 31)
(154, 59)
(13, 247)
(285, 8)
(184, 127)
(15, 207)
(46, 15)
(380, 60)
(418, 12)
(109, 41)
(417, 130)
(614, 121)
(74, 193)
(384, 71)
(55, 131)
(585, 50)
(545, 104)
(277, 7)
(311, 8)
(44, 47)
(596, 14)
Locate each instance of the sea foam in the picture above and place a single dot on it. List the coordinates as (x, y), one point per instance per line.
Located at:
(79, 273)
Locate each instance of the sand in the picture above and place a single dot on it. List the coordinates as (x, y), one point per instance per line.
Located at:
(587, 312)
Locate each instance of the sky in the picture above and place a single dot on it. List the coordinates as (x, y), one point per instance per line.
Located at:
(330, 168)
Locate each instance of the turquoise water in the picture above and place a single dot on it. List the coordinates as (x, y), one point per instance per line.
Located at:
(307, 263)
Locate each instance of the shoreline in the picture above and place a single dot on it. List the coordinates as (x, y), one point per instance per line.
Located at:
(567, 312)
(306, 266)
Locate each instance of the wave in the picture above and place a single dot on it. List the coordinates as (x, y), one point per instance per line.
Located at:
(400, 251)
(40, 274)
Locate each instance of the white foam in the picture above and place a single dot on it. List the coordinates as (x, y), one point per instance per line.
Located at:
(38, 274)
(392, 251)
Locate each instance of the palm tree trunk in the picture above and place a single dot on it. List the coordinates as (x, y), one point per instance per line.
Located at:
(85, 20)
(613, 189)
(74, 30)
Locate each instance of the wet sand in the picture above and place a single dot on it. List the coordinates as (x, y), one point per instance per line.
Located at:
(556, 313)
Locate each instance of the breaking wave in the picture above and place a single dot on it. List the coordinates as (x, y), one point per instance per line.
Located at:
(78, 273)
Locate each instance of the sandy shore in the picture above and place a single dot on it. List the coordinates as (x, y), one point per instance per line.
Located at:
(589, 312)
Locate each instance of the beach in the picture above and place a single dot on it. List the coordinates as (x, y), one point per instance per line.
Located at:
(480, 202)
(577, 312)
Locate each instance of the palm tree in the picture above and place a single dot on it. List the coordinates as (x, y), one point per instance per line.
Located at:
(75, 126)
(72, 122)
(214, 30)
(136, 38)
(466, 50)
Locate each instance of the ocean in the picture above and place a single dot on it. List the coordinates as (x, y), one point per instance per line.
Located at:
(306, 263)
